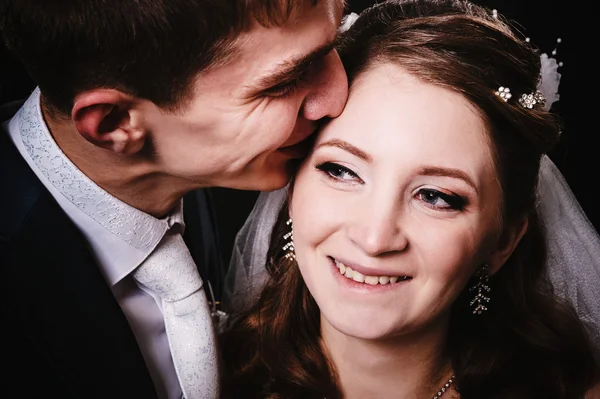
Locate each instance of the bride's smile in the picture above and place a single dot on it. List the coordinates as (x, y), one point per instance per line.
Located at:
(368, 276)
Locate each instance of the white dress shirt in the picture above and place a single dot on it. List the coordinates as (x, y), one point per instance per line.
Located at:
(120, 236)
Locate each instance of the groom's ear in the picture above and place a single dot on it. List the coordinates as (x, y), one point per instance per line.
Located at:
(108, 119)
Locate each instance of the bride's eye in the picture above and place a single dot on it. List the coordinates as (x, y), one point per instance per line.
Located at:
(441, 201)
(338, 172)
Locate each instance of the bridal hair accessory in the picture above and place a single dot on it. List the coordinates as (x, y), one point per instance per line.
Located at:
(288, 248)
(529, 100)
(526, 100)
(547, 87)
(504, 93)
(549, 79)
(347, 21)
(482, 275)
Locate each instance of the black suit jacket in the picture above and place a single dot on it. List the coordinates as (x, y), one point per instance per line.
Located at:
(63, 333)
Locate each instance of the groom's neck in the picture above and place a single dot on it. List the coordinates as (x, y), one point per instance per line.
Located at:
(133, 179)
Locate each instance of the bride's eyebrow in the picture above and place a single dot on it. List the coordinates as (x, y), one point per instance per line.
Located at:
(344, 145)
(449, 172)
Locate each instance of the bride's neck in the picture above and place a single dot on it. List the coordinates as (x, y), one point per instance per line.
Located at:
(413, 366)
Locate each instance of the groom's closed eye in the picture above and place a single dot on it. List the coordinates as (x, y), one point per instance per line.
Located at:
(290, 74)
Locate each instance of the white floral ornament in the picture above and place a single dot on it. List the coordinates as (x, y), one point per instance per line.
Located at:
(504, 93)
(549, 79)
(347, 22)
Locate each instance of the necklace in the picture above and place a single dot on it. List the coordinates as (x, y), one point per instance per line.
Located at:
(444, 388)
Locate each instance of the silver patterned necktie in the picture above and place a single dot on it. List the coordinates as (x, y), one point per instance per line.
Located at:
(171, 272)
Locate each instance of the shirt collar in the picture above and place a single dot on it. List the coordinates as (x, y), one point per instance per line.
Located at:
(137, 229)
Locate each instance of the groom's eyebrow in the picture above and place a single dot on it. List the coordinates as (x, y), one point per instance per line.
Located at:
(290, 70)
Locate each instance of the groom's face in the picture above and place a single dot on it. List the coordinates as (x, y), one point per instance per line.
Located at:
(242, 128)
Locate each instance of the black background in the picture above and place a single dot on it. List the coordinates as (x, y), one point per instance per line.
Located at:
(542, 21)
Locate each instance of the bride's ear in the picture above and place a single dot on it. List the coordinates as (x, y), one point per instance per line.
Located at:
(506, 244)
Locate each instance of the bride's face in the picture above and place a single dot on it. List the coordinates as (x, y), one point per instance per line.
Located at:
(401, 195)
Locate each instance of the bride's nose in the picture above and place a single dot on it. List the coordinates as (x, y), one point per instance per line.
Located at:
(377, 231)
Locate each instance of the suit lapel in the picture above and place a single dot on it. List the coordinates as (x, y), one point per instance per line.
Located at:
(59, 298)
(202, 240)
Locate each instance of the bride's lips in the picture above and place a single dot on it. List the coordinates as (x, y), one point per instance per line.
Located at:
(367, 280)
(369, 271)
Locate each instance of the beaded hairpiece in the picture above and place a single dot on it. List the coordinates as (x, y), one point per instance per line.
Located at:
(547, 88)
(526, 100)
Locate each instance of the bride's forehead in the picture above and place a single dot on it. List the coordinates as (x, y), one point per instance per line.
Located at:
(394, 103)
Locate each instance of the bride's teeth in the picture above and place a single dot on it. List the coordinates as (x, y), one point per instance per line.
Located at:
(359, 277)
(372, 280)
(348, 272)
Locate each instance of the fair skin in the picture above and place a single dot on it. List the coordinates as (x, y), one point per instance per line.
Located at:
(593, 393)
(239, 130)
(389, 192)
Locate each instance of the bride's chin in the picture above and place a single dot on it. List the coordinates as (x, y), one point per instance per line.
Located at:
(357, 328)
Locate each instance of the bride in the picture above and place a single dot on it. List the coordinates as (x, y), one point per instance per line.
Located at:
(417, 264)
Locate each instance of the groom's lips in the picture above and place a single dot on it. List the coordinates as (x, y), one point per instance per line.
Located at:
(298, 150)
(302, 147)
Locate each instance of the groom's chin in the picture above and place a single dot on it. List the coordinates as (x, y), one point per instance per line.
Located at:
(272, 176)
(278, 172)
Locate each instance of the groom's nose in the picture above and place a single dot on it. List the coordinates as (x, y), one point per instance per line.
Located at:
(329, 90)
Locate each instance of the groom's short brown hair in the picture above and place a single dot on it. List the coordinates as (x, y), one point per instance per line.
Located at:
(152, 49)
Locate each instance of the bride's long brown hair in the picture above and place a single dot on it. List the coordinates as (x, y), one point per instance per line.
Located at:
(528, 344)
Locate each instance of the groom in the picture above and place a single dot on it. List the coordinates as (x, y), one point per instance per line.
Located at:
(138, 105)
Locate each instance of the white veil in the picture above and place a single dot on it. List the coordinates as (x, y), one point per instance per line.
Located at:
(247, 274)
(573, 249)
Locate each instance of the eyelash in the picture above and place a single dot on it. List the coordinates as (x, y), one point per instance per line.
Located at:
(286, 89)
(454, 202)
(333, 171)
